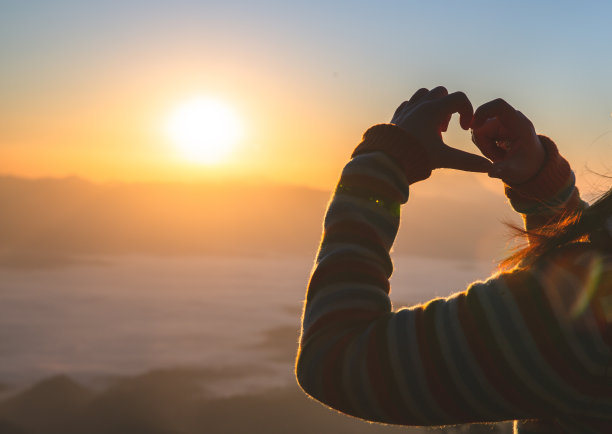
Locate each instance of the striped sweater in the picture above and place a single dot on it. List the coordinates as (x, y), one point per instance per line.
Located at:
(533, 345)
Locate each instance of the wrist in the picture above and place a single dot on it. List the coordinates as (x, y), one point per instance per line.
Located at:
(400, 146)
(551, 177)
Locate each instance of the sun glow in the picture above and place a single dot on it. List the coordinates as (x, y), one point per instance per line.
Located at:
(204, 130)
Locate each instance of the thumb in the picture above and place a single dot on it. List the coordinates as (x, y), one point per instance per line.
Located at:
(453, 158)
(499, 170)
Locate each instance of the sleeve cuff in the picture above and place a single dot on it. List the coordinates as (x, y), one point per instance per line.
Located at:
(552, 178)
(400, 146)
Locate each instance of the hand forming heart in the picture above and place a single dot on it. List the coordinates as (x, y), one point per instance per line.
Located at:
(508, 139)
(502, 134)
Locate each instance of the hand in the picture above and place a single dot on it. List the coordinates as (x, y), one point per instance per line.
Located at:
(508, 138)
(427, 114)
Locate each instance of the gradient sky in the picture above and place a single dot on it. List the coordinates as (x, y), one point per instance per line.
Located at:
(85, 86)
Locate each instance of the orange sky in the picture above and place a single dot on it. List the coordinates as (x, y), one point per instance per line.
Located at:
(87, 90)
(114, 129)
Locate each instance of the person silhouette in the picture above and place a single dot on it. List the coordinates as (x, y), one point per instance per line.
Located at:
(532, 344)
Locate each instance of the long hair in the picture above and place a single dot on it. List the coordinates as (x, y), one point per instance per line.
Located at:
(587, 225)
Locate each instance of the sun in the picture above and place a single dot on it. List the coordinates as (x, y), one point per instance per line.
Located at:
(204, 130)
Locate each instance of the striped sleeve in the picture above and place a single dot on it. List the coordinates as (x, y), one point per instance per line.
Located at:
(508, 348)
(550, 195)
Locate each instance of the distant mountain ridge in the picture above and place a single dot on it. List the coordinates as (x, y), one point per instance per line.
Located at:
(58, 219)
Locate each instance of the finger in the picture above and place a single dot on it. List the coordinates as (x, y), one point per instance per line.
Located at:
(498, 108)
(445, 123)
(456, 102)
(504, 170)
(489, 148)
(418, 95)
(524, 119)
(435, 93)
(496, 171)
(453, 158)
(401, 107)
(491, 128)
(485, 138)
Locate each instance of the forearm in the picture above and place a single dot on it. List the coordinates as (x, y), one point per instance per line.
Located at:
(363, 217)
(348, 289)
(356, 355)
(550, 195)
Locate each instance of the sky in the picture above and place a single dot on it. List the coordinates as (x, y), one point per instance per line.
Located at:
(87, 87)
